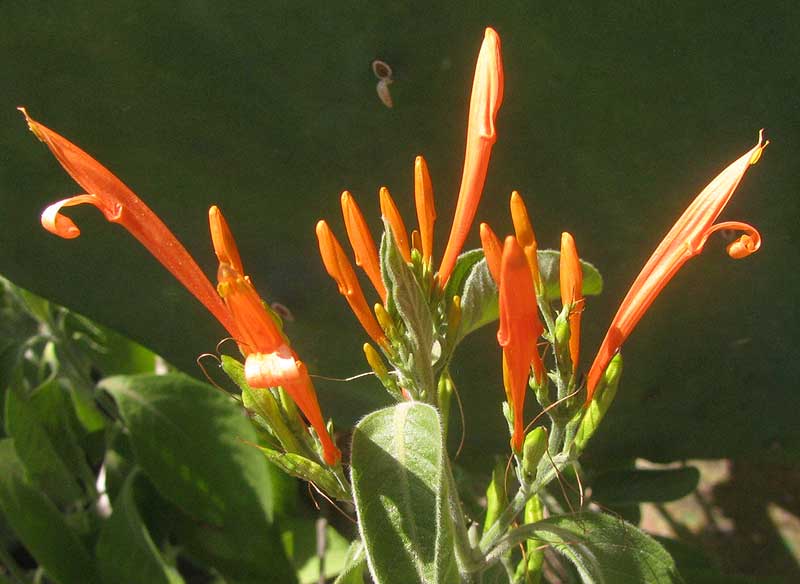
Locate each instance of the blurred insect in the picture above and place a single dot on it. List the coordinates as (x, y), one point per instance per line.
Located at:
(384, 74)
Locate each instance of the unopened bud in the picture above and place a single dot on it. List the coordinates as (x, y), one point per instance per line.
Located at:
(532, 451)
(454, 316)
(606, 390)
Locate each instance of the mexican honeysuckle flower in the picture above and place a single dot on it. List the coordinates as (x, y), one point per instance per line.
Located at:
(237, 306)
(685, 240)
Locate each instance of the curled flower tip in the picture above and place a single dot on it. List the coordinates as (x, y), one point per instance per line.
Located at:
(487, 95)
(364, 248)
(223, 241)
(426, 211)
(119, 204)
(339, 268)
(686, 239)
(519, 329)
(392, 215)
(492, 251)
(571, 280)
(525, 235)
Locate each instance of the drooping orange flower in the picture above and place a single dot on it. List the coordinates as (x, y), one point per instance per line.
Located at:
(338, 267)
(269, 360)
(120, 205)
(519, 330)
(485, 101)
(571, 282)
(685, 240)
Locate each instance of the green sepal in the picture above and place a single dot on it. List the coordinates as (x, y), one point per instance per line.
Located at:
(562, 340)
(263, 403)
(529, 569)
(444, 390)
(307, 470)
(532, 451)
(607, 389)
(549, 271)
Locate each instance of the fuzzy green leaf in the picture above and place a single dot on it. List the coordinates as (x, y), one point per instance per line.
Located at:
(605, 549)
(549, 270)
(401, 495)
(412, 306)
(479, 300)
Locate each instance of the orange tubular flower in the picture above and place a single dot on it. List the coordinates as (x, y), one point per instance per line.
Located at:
(487, 95)
(492, 251)
(571, 280)
(685, 240)
(525, 235)
(120, 205)
(392, 215)
(426, 212)
(270, 362)
(361, 241)
(338, 267)
(519, 330)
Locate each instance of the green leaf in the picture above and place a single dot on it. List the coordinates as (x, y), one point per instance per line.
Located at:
(401, 495)
(189, 440)
(479, 300)
(43, 427)
(300, 540)
(125, 551)
(549, 269)
(39, 525)
(354, 564)
(461, 271)
(605, 549)
(620, 487)
(412, 306)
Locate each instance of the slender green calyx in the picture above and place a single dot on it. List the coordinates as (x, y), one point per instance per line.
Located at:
(607, 389)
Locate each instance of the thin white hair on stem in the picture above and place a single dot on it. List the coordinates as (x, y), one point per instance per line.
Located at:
(463, 423)
(329, 500)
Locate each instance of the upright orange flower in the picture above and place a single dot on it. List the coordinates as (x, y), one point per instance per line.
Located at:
(685, 240)
(270, 362)
(571, 282)
(120, 205)
(519, 330)
(485, 101)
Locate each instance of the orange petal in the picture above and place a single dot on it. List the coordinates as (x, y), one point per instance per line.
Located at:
(223, 241)
(362, 243)
(120, 205)
(525, 235)
(426, 211)
(685, 240)
(392, 215)
(258, 331)
(487, 95)
(284, 369)
(519, 329)
(571, 279)
(338, 267)
(492, 251)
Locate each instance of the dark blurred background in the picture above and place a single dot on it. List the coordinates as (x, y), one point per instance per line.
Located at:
(615, 116)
